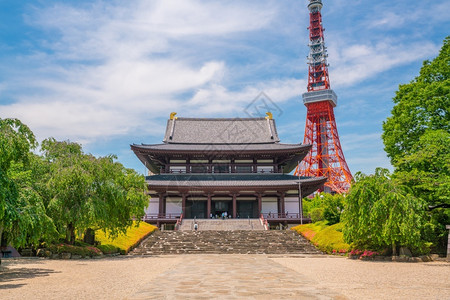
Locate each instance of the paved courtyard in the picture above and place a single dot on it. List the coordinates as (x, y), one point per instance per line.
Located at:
(223, 276)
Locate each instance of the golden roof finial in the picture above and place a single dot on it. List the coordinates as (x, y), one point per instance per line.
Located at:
(269, 115)
(172, 116)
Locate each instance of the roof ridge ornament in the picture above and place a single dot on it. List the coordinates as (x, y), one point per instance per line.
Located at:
(172, 116)
(268, 118)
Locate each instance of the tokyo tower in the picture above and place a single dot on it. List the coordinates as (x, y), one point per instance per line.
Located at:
(326, 157)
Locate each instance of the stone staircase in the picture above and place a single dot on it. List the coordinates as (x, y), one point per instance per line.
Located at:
(222, 225)
(225, 242)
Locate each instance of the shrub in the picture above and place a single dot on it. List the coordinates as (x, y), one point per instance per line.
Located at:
(75, 250)
(125, 242)
(108, 249)
(317, 214)
(329, 239)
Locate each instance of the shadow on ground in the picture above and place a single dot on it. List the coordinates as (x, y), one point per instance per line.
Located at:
(8, 275)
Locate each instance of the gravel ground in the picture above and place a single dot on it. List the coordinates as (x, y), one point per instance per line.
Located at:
(222, 276)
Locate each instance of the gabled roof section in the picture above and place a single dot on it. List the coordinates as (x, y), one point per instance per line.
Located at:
(221, 131)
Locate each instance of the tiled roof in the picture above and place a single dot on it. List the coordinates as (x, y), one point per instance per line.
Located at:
(309, 184)
(224, 180)
(219, 147)
(221, 131)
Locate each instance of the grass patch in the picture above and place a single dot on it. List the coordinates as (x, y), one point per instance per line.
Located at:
(124, 242)
(329, 239)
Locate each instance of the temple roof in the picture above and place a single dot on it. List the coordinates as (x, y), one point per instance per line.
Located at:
(221, 131)
(257, 181)
(222, 147)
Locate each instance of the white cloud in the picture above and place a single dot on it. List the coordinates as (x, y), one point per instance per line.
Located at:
(353, 63)
(108, 70)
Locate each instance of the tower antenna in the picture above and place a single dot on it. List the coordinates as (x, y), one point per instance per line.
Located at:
(326, 157)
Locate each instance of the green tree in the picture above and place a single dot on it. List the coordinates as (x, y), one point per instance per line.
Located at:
(84, 192)
(421, 105)
(416, 138)
(22, 215)
(324, 206)
(427, 171)
(380, 213)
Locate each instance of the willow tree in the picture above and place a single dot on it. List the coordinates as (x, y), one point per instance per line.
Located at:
(379, 213)
(22, 213)
(85, 192)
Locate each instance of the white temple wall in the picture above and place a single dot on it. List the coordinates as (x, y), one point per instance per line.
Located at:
(153, 206)
(173, 205)
(269, 205)
(291, 205)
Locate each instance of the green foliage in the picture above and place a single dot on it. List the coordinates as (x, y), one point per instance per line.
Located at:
(421, 105)
(324, 206)
(87, 192)
(83, 251)
(329, 239)
(108, 249)
(380, 213)
(317, 214)
(22, 213)
(416, 138)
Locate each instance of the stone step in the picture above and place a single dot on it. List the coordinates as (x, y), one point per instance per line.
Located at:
(221, 225)
(236, 241)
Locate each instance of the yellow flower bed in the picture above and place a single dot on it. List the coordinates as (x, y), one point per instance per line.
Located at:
(327, 238)
(126, 242)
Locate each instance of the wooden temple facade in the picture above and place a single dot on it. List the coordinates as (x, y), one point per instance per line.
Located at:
(206, 167)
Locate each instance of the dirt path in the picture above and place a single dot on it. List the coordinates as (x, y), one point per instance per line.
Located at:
(223, 276)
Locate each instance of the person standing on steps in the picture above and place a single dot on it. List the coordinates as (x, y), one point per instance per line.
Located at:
(195, 226)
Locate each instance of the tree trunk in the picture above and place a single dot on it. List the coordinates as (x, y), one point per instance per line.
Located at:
(1, 231)
(70, 234)
(89, 236)
(394, 250)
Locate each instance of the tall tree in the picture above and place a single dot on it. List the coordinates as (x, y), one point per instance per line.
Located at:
(416, 138)
(88, 192)
(380, 213)
(421, 105)
(22, 215)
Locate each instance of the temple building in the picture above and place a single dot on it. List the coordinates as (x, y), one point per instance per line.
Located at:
(209, 166)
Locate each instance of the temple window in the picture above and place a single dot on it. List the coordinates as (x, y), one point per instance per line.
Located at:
(264, 169)
(199, 169)
(221, 169)
(244, 169)
(177, 169)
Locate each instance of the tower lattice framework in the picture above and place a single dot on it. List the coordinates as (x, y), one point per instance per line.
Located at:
(326, 157)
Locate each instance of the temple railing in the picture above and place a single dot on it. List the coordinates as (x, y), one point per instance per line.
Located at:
(274, 216)
(150, 217)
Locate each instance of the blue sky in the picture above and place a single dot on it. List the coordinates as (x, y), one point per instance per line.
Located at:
(107, 74)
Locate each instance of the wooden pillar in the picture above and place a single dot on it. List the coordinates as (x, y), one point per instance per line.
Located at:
(278, 204)
(183, 205)
(234, 206)
(161, 204)
(208, 207)
(283, 209)
(259, 205)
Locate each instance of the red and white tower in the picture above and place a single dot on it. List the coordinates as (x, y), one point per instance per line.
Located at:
(326, 157)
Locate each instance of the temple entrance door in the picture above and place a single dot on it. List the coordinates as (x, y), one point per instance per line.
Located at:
(247, 209)
(195, 209)
(219, 207)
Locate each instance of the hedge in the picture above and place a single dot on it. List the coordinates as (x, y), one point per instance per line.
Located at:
(329, 239)
(124, 242)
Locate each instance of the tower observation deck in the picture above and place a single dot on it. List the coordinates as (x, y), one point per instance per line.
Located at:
(326, 157)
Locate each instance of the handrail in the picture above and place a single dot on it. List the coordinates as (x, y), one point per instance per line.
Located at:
(264, 222)
(178, 224)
